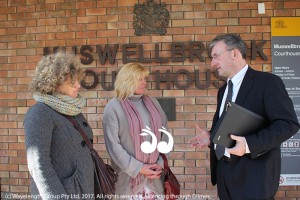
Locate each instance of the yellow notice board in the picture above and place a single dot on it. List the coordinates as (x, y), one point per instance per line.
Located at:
(285, 26)
(285, 64)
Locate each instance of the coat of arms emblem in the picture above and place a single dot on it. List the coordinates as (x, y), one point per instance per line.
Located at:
(151, 17)
(280, 24)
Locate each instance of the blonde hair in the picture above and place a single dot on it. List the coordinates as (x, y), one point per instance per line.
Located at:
(128, 78)
(52, 70)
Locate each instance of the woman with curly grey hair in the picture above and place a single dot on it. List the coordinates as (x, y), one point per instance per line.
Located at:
(59, 161)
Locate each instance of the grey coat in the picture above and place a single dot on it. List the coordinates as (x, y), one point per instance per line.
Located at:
(59, 162)
(121, 148)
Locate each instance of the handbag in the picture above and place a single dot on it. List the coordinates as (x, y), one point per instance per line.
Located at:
(171, 184)
(105, 176)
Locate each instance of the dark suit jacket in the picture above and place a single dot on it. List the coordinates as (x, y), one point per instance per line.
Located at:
(257, 174)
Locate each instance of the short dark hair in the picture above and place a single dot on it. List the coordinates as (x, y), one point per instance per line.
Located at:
(232, 41)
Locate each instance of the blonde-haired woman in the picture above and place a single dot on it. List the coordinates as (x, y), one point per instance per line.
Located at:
(124, 117)
(59, 162)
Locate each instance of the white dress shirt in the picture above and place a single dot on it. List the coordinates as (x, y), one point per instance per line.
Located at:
(237, 81)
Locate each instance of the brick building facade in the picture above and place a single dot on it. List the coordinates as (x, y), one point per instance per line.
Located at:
(28, 26)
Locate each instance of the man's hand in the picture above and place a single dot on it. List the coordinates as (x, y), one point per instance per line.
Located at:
(202, 139)
(240, 147)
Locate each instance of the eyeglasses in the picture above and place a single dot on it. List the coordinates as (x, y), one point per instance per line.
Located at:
(217, 56)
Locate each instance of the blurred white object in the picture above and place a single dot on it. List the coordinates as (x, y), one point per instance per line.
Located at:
(261, 8)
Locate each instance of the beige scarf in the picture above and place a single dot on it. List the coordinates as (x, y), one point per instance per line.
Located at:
(63, 104)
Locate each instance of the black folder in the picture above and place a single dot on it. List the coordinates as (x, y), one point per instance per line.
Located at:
(237, 121)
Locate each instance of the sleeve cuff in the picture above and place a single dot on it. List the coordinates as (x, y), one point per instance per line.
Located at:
(247, 147)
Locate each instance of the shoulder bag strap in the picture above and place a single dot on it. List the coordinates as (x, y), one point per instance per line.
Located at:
(166, 166)
(82, 133)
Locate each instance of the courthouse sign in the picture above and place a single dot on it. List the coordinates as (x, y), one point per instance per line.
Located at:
(178, 52)
(285, 63)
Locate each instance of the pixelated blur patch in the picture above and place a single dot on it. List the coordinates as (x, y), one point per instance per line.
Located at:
(169, 106)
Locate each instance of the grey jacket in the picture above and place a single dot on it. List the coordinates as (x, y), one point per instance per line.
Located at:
(59, 162)
(121, 148)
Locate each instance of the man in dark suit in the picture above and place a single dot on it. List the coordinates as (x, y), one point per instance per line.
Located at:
(250, 169)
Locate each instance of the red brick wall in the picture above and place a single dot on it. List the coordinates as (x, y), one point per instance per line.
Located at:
(27, 26)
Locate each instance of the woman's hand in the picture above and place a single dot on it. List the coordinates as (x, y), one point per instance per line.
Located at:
(157, 168)
(151, 170)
